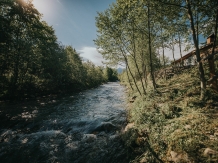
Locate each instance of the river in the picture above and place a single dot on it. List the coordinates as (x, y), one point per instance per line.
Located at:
(77, 128)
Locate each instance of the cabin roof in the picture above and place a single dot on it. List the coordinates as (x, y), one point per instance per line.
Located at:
(211, 35)
(192, 53)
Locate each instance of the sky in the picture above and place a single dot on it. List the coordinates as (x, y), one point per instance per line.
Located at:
(74, 23)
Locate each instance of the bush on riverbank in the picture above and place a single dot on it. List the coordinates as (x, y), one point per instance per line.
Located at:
(172, 125)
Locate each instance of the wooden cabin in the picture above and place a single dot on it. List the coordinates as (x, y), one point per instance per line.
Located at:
(190, 58)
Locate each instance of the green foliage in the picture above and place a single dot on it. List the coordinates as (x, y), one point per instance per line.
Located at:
(94, 75)
(123, 39)
(32, 61)
(111, 74)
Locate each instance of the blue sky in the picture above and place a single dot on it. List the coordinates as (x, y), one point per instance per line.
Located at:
(74, 23)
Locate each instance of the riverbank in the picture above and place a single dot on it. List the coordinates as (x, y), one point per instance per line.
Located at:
(38, 93)
(173, 125)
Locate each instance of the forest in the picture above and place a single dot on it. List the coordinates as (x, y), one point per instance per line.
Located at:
(33, 62)
(172, 111)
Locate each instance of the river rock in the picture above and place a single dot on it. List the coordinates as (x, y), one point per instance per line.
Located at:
(106, 126)
(188, 127)
(178, 157)
(143, 160)
(89, 138)
(209, 152)
(216, 134)
(112, 137)
(128, 126)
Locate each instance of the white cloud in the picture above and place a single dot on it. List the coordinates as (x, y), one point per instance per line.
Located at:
(91, 54)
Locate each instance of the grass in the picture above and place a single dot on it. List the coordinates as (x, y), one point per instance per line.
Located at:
(173, 125)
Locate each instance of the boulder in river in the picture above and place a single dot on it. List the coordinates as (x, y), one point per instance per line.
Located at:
(89, 138)
(106, 126)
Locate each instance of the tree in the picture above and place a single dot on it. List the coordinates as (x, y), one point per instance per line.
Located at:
(111, 74)
(197, 53)
(124, 31)
(32, 61)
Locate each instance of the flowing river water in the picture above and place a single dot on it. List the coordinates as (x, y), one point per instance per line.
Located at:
(78, 128)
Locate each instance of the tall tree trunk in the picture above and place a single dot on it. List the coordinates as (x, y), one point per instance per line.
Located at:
(143, 68)
(136, 64)
(158, 53)
(173, 50)
(180, 49)
(128, 77)
(128, 68)
(133, 77)
(145, 76)
(144, 73)
(14, 78)
(163, 53)
(211, 59)
(150, 54)
(159, 58)
(197, 53)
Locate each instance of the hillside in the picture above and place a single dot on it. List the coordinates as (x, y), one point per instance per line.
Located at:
(173, 125)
